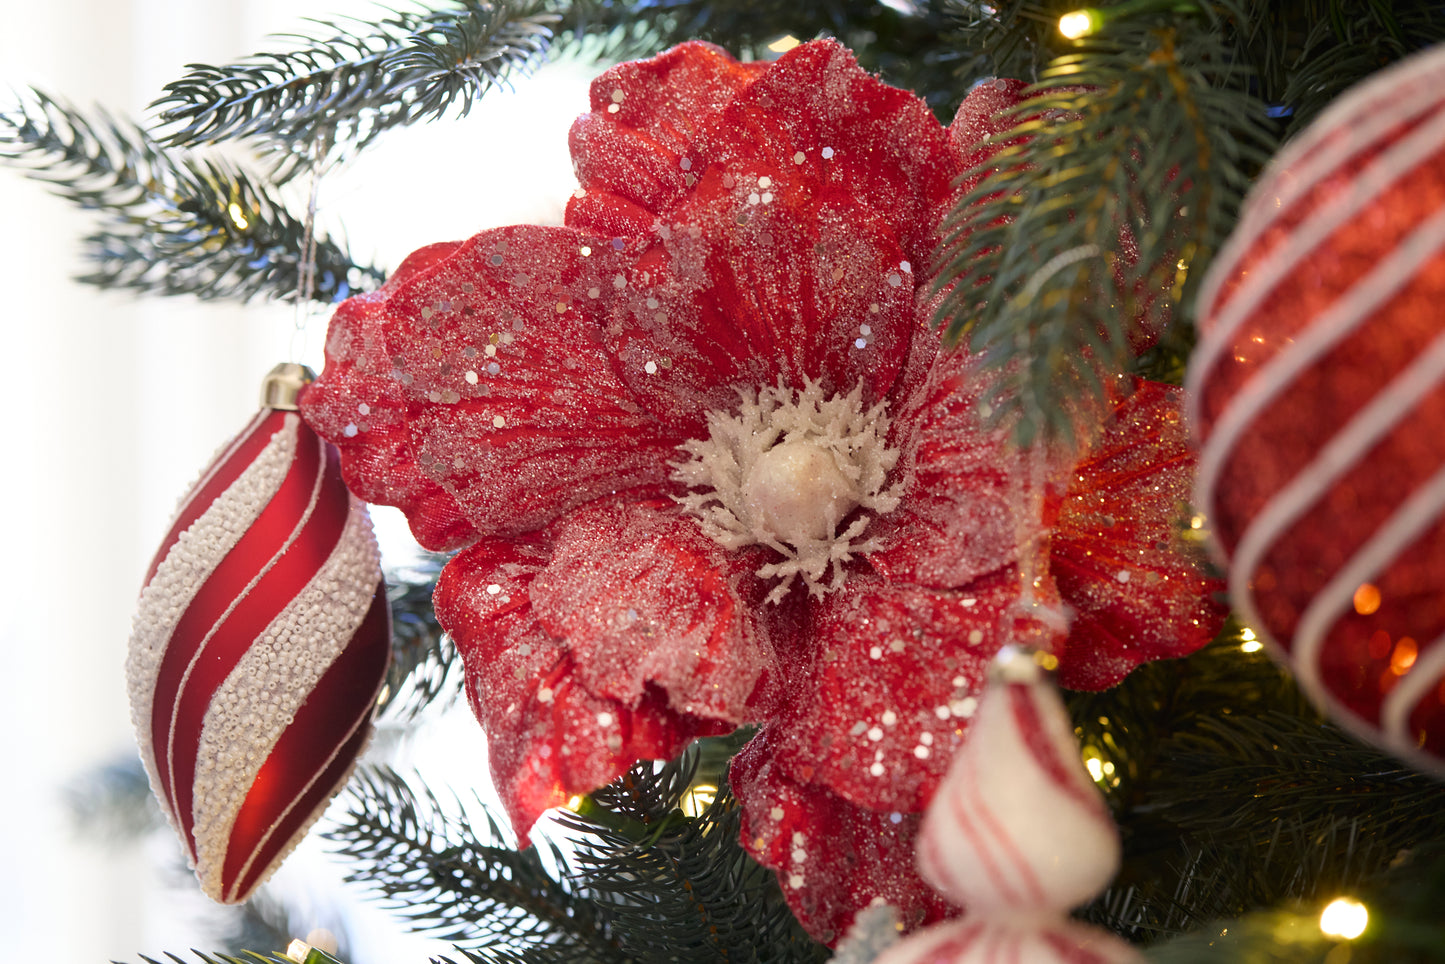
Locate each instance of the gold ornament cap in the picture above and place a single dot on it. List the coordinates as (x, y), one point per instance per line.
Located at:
(281, 389)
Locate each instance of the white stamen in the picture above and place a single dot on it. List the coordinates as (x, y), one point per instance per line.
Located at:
(788, 471)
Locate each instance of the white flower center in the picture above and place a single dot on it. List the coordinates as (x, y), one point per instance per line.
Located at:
(787, 470)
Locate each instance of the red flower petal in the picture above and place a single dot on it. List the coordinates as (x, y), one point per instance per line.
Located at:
(1138, 591)
(643, 601)
(646, 117)
(833, 858)
(856, 135)
(694, 112)
(890, 693)
(358, 406)
(802, 289)
(549, 737)
(980, 117)
(515, 406)
(964, 513)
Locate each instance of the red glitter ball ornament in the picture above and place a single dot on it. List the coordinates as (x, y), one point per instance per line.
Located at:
(1318, 390)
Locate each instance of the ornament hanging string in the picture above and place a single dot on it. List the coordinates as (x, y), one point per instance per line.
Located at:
(306, 269)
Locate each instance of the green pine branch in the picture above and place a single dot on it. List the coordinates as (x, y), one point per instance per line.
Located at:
(1346, 42)
(430, 864)
(342, 91)
(918, 46)
(1235, 795)
(679, 887)
(246, 957)
(424, 664)
(1011, 38)
(171, 222)
(1099, 210)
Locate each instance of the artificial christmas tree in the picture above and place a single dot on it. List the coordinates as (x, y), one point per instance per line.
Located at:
(707, 496)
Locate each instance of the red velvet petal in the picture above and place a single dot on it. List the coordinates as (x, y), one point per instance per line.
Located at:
(894, 681)
(741, 292)
(358, 406)
(814, 119)
(515, 406)
(646, 118)
(644, 600)
(856, 135)
(548, 736)
(965, 511)
(832, 858)
(980, 117)
(1138, 591)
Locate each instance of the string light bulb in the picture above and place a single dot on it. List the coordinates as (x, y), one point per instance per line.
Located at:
(1079, 23)
(697, 799)
(1344, 918)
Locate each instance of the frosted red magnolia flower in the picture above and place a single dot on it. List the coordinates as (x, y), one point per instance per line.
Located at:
(709, 466)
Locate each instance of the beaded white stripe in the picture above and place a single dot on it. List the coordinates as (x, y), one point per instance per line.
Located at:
(195, 555)
(1315, 154)
(256, 703)
(317, 487)
(1414, 686)
(1363, 432)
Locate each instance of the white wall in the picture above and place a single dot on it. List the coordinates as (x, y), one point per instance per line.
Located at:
(116, 403)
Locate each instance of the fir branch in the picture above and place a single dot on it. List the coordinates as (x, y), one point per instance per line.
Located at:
(172, 223)
(1013, 38)
(917, 46)
(362, 80)
(424, 664)
(246, 957)
(1234, 795)
(1098, 211)
(680, 888)
(1348, 42)
(430, 864)
(112, 805)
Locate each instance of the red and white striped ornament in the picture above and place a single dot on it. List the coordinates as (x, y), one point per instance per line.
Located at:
(1018, 834)
(260, 643)
(1318, 391)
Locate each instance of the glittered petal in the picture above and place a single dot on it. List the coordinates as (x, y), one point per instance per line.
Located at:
(980, 117)
(1138, 590)
(832, 857)
(739, 290)
(830, 126)
(359, 407)
(514, 404)
(965, 513)
(549, 737)
(893, 684)
(638, 146)
(646, 602)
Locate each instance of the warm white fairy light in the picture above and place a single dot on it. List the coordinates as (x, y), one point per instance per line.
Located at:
(1079, 23)
(1344, 918)
(698, 798)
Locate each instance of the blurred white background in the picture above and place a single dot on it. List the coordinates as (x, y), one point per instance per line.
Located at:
(117, 402)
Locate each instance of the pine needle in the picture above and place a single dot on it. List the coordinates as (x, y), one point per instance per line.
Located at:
(429, 863)
(424, 665)
(171, 222)
(681, 888)
(1120, 178)
(366, 78)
